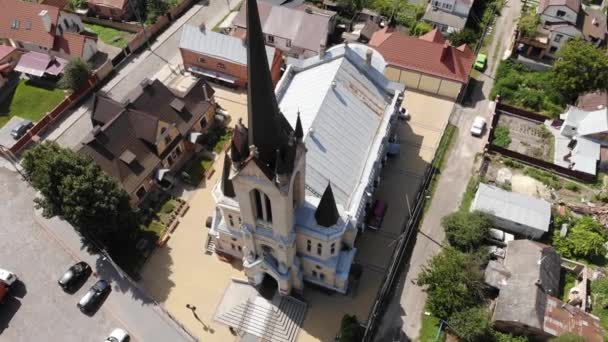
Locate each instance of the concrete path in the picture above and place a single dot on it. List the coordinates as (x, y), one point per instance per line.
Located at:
(403, 315)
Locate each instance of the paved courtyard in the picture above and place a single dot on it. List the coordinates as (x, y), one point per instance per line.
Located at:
(189, 276)
(38, 308)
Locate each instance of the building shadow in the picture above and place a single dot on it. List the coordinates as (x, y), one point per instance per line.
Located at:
(474, 93)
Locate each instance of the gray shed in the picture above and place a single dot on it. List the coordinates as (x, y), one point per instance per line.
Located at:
(514, 212)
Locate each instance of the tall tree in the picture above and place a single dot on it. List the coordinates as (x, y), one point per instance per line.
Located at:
(472, 325)
(585, 240)
(76, 189)
(580, 68)
(466, 230)
(454, 282)
(75, 74)
(154, 9)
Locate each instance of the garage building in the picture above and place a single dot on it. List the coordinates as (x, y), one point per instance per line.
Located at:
(427, 63)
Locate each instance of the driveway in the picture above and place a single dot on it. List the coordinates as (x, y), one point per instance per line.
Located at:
(405, 310)
(37, 308)
(6, 139)
(165, 52)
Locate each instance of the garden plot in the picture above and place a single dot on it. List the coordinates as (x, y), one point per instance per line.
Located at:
(528, 137)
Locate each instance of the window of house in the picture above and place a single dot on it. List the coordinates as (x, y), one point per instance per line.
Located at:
(202, 60)
(308, 245)
(221, 65)
(170, 160)
(178, 150)
(230, 220)
(560, 13)
(28, 25)
(288, 43)
(233, 246)
(167, 139)
(263, 206)
(436, 3)
(270, 39)
(257, 197)
(553, 49)
(314, 274)
(203, 122)
(322, 276)
(319, 249)
(333, 248)
(558, 38)
(318, 267)
(239, 248)
(141, 192)
(15, 24)
(268, 209)
(240, 220)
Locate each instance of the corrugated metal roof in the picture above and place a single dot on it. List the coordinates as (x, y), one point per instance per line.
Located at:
(512, 206)
(445, 18)
(217, 45)
(593, 122)
(345, 115)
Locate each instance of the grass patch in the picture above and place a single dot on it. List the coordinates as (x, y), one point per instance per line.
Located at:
(572, 187)
(447, 140)
(522, 87)
(30, 102)
(222, 141)
(501, 136)
(566, 282)
(429, 328)
(469, 194)
(110, 35)
(196, 168)
(544, 177)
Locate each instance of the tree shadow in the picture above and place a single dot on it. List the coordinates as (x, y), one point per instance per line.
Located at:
(155, 274)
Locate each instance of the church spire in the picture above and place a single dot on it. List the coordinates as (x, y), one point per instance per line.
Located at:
(327, 212)
(299, 130)
(268, 129)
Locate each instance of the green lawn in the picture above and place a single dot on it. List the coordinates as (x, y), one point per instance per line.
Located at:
(469, 194)
(567, 282)
(29, 102)
(429, 329)
(110, 35)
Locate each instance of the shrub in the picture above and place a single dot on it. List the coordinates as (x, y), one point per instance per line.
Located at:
(568, 337)
(585, 240)
(513, 164)
(572, 187)
(472, 324)
(544, 177)
(501, 136)
(528, 25)
(75, 74)
(350, 329)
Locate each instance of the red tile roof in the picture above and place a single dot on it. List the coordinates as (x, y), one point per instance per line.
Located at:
(574, 5)
(26, 13)
(428, 54)
(55, 3)
(5, 50)
(70, 43)
(120, 4)
(434, 37)
(563, 318)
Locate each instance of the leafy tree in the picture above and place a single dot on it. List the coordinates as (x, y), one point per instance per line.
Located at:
(464, 36)
(421, 28)
(568, 337)
(585, 240)
(76, 189)
(466, 230)
(154, 9)
(350, 329)
(454, 282)
(599, 293)
(528, 25)
(76, 4)
(502, 337)
(472, 324)
(75, 74)
(580, 68)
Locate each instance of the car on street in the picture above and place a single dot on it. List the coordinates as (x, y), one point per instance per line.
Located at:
(7, 277)
(91, 300)
(376, 216)
(75, 275)
(118, 335)
(19, 130)
(478, 126)
(480, 62)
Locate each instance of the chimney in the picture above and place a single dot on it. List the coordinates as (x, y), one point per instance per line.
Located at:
(202, 27)
(368, 57)
(322, 50)
(46, 20)
(205, 92)
(445, 52)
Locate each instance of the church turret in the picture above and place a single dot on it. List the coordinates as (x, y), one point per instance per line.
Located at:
(299, 131)
(327, 212)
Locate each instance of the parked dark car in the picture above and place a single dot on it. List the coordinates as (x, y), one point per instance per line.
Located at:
(92, 299)
(19, 130)
(376, 215)
(75, 275)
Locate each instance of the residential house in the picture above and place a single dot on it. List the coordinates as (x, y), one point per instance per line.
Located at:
(298, 179)
(363, 26)
(561, 20)
(221, 57)
(515, 213)
(296, 32)
(144, 140)
(448, 15)
(47, 29)
(9, 56)
(36, 64)
(581, 143)
(527, 281)
(427, 63)
(112, 9)
(592, 101)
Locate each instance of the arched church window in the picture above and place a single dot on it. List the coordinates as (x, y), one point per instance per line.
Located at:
(319, 249)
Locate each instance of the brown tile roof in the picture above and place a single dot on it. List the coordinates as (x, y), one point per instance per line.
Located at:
(109, 3)
(131, 129)
(71, 43)
(428, 57)
(55, 3)
(434, 37)
(26, 13)
(5, 50)
(592, 101)
(561, 318)
(594, 24)
(574, 5)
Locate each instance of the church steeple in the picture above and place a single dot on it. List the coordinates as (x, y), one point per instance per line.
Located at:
(327, 212)
(268, 129)
(299, 130)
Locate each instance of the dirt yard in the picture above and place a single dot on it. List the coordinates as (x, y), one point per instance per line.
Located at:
(528, 137)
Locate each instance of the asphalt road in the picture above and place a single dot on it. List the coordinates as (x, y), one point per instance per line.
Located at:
(404, 313)
(37, 309)
(165, 51)
(39, 250)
